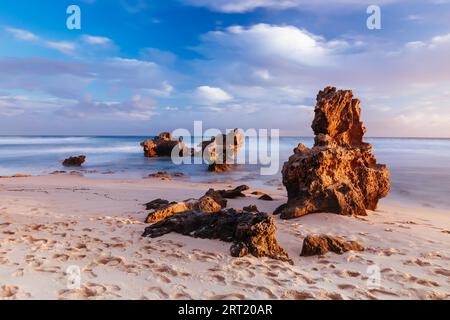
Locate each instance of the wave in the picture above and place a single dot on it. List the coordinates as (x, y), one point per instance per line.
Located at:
(42, 140)
(70, 150)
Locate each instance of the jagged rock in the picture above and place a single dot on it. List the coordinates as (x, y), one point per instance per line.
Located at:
(339, 174)
(251, 208)
(167, 211)
(211, 202)
(266, 197)
(250, 233)
(74, 161)
(221, 150)
(162, 146)
(321, 244)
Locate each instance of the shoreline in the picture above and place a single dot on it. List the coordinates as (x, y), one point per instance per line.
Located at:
(49, 223)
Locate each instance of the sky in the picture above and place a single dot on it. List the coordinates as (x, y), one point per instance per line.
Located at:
(140, 67)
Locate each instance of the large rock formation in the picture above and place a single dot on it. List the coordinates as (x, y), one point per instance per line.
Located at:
(339, 174)
(162, 146)
(74, 161)
(221, 150)
(250, 233)
(321, 244)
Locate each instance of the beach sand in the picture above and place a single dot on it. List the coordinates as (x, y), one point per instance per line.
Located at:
(51, 223)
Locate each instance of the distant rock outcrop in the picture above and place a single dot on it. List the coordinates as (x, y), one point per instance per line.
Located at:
(74, 161)
(339, 174)
(221, 150)
(319, 245)
(162, 146)
(250, 233)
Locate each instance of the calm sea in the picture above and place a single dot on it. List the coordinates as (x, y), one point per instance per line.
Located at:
(420, 168)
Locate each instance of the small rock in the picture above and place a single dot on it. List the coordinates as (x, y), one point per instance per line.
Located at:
(266, 197)
(251, 208)
(156, 204)
(321, 244)
(74, 161)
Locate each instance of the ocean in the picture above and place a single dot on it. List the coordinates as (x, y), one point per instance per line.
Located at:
(420, 168)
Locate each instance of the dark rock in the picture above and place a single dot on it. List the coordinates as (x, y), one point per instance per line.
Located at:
(339, 174)
(266, 197)
(251, 208)
(156, 204)
(163, 175)
(74, 161)
(232, 194)
(250, 233)
(319, 245)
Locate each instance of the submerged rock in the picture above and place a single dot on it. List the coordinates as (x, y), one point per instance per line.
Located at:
(319, 245)
(250, 233)
(74, 161)
(339, 174)
(163, 175)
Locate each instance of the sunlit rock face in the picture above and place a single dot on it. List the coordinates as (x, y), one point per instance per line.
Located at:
(339, 174)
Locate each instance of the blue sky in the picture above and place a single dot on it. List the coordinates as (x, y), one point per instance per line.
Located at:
(138, 67)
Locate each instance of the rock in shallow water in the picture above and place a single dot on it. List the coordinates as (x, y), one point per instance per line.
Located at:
(74, 161)
(162, 146)
(250, 233)
(339, 174)
(319, 245)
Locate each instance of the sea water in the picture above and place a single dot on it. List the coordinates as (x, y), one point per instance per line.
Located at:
(420, 168)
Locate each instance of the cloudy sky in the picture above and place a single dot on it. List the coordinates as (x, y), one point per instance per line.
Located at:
(138, 67)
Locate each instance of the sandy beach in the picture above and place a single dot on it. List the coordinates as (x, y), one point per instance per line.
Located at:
(51, 223)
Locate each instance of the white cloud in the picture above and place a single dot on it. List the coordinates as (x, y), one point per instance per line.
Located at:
(239, 6)
(269, 44)
(211, 95)
(22, 34)
(96, 40)
(65, 47)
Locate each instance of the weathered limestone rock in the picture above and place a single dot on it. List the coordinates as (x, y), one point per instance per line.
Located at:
(339, 174)
(211, 202)
(162, 146)
(221, 150)
(250, 233)
(74, 161)
(319, 245)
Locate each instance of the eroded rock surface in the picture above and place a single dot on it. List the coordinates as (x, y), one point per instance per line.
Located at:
(320, 244)
(74, 161)
(221, 150)
(250, 233)
(211, 202)
(162, 146)
(339, 174)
